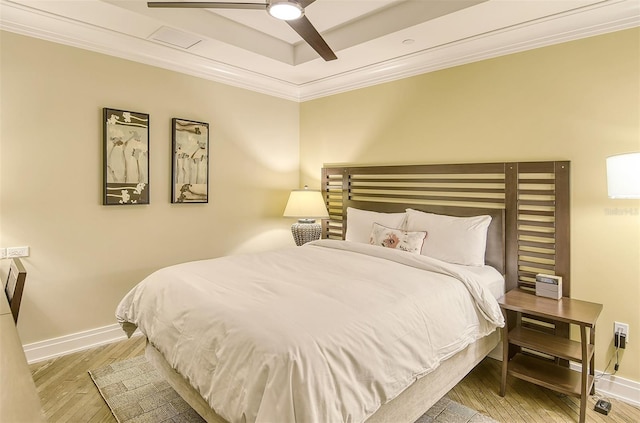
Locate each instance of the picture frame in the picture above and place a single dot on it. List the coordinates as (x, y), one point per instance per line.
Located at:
(125, 157)
(190, 161)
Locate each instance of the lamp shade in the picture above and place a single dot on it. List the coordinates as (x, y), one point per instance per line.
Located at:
(305, 203)
(623, 175)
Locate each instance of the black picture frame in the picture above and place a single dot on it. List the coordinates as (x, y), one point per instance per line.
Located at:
(125, 157)
(189, 161)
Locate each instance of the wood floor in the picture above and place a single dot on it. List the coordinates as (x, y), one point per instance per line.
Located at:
(68, 394)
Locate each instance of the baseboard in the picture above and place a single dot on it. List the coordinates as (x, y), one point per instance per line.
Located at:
(608, 385)
(625, 390)
(615, 386)
(56, 347)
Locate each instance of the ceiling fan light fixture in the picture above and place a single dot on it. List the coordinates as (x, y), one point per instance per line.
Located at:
(286, 10)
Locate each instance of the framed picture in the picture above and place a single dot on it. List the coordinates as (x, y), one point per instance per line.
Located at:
(126, 157)
(190, 165)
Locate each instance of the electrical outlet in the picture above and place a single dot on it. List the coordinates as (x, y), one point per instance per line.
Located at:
(622, 329)
(17, 252)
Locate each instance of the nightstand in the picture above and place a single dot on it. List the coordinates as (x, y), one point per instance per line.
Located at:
(546, 372)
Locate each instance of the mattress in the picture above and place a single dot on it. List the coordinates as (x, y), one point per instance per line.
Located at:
(325, 332)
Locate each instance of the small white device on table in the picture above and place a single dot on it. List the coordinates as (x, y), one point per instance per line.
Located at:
(549, 286)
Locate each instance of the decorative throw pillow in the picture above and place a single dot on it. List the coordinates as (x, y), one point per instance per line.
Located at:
(360, 222)
(397, 238)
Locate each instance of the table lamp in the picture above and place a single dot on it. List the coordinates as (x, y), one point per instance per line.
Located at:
(306, 205)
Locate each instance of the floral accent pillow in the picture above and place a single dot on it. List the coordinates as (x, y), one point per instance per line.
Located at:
(397, 238)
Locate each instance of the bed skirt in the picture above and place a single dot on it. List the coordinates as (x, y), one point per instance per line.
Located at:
(407, 407)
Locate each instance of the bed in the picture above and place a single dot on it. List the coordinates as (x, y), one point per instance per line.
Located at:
(307, 345)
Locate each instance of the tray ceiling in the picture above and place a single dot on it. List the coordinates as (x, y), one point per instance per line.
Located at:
(375, 40)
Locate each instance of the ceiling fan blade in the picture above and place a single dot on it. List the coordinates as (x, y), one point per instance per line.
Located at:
(207, 5)
(307, 31)
(302, 25)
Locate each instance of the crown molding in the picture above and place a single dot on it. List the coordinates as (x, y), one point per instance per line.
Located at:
(604, 17)
(569, 26)
(33, 23)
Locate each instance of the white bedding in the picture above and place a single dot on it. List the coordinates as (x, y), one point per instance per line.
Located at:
(327, 332)
(488, 276)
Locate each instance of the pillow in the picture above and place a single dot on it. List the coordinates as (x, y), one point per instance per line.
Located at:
(459, 240)
(360, 223)
(397, 238)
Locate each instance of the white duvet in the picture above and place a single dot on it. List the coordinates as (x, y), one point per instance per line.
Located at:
(324, 333)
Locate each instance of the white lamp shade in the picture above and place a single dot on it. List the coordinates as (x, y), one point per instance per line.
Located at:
(305, 203)
(623, 176)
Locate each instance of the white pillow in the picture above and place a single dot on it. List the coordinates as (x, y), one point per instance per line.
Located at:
(410, 242)
(459, 240)
(360, 223)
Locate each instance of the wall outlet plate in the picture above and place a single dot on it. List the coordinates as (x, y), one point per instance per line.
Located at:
(622, 328)
(17, 252)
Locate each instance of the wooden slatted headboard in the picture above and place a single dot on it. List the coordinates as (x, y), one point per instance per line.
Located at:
(532, 196)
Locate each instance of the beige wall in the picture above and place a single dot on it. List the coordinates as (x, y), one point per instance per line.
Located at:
(578, 101)
(86, 256)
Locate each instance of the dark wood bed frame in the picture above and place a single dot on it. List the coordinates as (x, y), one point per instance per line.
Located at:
(529, 234)
(528, 202)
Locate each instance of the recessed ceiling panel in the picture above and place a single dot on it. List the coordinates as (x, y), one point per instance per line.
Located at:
(175, 38)
(324, 14)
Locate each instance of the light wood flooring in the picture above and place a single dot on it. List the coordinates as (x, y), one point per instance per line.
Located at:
(68, 394)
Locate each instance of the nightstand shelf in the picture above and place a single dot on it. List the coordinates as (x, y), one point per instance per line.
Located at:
(547, 374)
(544, 372)
(548, 344)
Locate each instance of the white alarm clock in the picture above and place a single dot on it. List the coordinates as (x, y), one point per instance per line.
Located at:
(549, 286)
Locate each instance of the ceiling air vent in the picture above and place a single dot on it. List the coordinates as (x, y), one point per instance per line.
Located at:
(174, 37)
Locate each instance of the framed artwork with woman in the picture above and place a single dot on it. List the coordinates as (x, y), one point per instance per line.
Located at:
(190, 165)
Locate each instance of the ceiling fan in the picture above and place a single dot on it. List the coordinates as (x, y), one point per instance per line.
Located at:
(291, 11)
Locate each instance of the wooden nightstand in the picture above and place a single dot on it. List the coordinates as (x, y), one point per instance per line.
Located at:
(546, 372)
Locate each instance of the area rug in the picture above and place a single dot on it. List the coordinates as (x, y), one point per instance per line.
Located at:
(136, 393)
